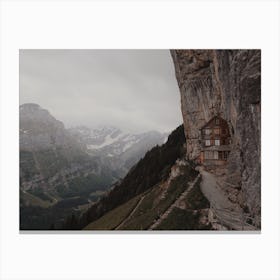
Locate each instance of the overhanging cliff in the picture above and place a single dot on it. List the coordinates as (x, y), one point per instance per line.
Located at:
(226, 83)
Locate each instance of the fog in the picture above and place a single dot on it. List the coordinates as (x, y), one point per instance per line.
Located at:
(134, 90)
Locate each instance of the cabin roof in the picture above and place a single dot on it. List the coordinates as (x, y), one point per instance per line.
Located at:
(215, 117)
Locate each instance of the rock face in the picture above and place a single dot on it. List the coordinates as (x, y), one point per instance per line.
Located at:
(226, 83)
(49, 155)
(39, 130)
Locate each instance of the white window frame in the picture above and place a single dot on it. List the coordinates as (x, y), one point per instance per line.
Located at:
(208, 154)
(217, 142)
(207, 142)
(216, 155)
(207, 131)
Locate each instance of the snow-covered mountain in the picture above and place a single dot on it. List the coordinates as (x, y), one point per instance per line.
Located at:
(118, 149)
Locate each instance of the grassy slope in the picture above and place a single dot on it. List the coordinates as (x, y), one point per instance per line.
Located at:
(148, 210)
(152, 207)
(180, 220)
(149, 171)
(187, 219)
(114, 217)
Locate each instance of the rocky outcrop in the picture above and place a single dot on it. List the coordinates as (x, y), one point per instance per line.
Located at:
(39, 130)
(50, 157)
(226, 83)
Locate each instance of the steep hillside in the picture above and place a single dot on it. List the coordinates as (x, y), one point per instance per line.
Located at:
(226, 83)
(154, 168)
(173, 204)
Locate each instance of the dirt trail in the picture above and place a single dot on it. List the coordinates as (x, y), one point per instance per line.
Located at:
(229, 214)
(174, 204)
(131, 213)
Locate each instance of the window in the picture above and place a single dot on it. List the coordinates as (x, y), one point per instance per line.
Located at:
(226, 155)
(207, 131)
(217, 142)
(216, 155)
(207, 142)
(208, 155)
(217, 131)
(217, 121)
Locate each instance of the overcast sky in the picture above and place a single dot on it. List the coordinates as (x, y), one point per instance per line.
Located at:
(134, 90)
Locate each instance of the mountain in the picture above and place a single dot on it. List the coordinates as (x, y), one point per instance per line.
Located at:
(39, 130)
(117, 150)
(66, 170)
(49, 155)
(55, 169)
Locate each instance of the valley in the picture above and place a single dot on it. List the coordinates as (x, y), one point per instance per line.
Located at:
(65, 171)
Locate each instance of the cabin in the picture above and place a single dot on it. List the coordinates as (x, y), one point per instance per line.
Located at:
(215, 142)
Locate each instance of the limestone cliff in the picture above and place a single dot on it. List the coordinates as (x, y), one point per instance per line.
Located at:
(228, 83)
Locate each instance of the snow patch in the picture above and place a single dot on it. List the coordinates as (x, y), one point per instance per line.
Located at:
(129, 145)
(108, 141)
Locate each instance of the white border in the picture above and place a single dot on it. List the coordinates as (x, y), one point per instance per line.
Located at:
(156, 24)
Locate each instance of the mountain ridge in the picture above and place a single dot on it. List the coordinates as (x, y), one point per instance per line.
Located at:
(117, 149)
(58, 171)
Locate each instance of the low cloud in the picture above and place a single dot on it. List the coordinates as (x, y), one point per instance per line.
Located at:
(135, 90)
